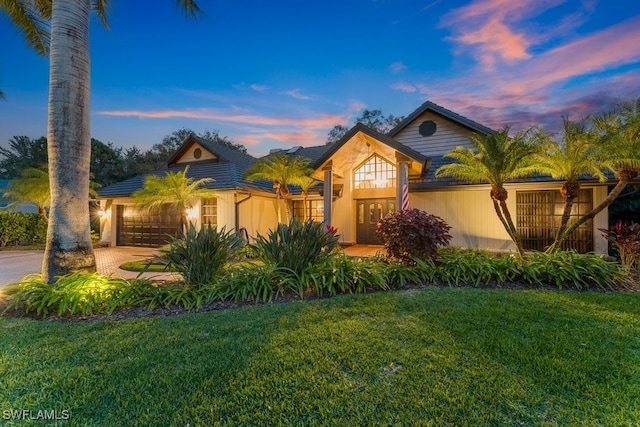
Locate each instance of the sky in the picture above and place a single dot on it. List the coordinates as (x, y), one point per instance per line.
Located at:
(282, 73)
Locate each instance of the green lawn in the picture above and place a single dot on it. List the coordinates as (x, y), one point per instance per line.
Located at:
(436, 356)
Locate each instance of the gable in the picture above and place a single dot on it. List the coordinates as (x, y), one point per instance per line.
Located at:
(359, 144)
(443, 130)
(447, 135)
(194, 153)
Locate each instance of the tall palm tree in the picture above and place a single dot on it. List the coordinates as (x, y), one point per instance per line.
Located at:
(282, 170)
(173, 188)
(618, 151)
(574, 156)
(496, 159)
(31, 187)
(61, 28)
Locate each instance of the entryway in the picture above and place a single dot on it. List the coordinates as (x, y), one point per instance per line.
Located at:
(368, 212)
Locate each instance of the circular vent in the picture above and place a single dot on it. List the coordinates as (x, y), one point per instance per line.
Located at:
(197, 153)
(427, 128)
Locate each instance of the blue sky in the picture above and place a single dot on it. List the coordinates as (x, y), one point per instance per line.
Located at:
(283, 73)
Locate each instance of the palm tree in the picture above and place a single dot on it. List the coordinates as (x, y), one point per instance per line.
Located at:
(571, 158)
(283, 170)
(495, 158)
(31, 187)
(618, 151)
(173, 188)
(68, 246)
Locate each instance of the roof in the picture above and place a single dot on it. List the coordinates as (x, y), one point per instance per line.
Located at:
(359, 127)
(437, 109)
(430, 181)
(227, 171)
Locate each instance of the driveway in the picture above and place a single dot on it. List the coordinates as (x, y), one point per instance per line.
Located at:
(14, 265)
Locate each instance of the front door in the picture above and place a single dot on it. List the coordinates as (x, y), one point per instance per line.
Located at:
(368, 212)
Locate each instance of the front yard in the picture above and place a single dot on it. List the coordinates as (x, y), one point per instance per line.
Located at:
(433, 356)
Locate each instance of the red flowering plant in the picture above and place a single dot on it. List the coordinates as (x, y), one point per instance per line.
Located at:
(625, 237)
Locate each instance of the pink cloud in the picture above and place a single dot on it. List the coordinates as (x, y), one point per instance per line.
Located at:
(612, 47)
(320, 121)
(487, 27)
(296, 138)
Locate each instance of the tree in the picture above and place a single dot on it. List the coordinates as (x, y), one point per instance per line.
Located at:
(496, 159)
(371, 118)
(31, 187)
(173, 188)
(618, 151)
(282, 170)
(573, 157)
(107, 163)
(66, 24)
(23, 153)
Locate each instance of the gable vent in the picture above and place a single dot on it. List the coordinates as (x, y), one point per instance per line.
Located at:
(427, 128)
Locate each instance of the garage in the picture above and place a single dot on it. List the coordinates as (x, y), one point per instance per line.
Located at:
(147, 227)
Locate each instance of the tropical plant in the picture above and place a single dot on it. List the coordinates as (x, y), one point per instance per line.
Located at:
(296, 245)
(496, 158)
(61, 28)
(619, 152)
(282, 170)
(413, 234)
(201, 256)
(31, 187)
(626, 239)
(173, 188)
(573, 157)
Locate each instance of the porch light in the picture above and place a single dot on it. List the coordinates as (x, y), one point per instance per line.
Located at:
(101, 213)
(192, 212)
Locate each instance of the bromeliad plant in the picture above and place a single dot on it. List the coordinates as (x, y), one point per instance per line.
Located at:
(626, 238)
(411, 234)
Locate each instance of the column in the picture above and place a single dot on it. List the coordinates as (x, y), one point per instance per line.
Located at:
(402, 187)
(328, 193)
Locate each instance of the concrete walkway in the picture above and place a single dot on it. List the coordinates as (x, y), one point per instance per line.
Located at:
(14, 265)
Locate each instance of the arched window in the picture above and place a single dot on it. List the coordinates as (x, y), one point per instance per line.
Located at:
(375, 172)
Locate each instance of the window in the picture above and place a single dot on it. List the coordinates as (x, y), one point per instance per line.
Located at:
(539, 214)
(310, 209)
(209, 212)
(376, 172)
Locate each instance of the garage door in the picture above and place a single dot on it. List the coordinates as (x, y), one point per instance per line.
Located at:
(147, 227)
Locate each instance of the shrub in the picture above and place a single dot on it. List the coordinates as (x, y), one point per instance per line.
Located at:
(475, 266)
(18, 227)
(291, 248)
(569, 269)
(74, 293)
(625, 237)
(411, 234)
(201, 255)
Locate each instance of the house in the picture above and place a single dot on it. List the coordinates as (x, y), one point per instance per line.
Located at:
(366, 173)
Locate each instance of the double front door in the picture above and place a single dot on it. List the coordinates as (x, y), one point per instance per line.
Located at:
(368, 212)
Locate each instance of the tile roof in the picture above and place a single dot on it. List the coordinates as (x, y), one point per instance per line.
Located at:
(227, 172)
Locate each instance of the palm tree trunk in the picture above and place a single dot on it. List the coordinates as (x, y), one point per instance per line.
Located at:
(496, 206)
(613, 194)
(69, 246)
(514, 231)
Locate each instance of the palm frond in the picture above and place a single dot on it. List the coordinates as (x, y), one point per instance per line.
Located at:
(32, 20)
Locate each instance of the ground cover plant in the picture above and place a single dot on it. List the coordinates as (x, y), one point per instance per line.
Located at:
(434, 356)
